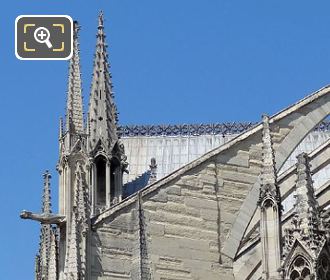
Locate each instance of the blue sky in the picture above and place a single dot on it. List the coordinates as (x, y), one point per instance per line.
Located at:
(173, 61)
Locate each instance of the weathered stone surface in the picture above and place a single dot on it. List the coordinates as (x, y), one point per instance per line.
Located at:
(198, 222)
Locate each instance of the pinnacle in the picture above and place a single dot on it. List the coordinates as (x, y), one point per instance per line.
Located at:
(269, 172)
(268, 175)
(101, 19)
(305, 196)
(74, 114)
(46, 201)
(76, 27)
(102, 109)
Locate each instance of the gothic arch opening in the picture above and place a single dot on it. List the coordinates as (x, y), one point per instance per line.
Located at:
(100, 164)
(300, 269)
(269, 203)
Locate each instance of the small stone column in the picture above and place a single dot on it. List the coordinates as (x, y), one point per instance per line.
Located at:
(107, 182)
(93, 188)
(68, 202)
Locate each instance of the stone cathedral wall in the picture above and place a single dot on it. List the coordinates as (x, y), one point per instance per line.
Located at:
(189, 224)
(177, 230)
(115, 246)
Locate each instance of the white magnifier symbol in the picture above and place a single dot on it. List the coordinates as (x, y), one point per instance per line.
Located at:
(42, 35)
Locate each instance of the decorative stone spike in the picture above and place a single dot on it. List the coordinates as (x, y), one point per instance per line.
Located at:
(74, 110)
(101, 19)
(153, 171)
(102, 109)
(268, 175)
(307, 216)
(270, 208)
(306, 225)
(46, 200)
(61, 128)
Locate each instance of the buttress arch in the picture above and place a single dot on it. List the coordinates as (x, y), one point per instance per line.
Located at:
(290, 126)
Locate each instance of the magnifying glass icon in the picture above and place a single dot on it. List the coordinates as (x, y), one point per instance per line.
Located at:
(42, 35)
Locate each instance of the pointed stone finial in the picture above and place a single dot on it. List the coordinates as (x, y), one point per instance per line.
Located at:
(74, 110)
(61, 128)
(101, 19)
(268, 175)
(270, 206)
(306, 224)
(46, 199)
(306, 205)
(76, 27)
(102, 108)
(153, 171)
(268, 158)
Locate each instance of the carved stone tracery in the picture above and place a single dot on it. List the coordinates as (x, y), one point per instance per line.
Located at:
(307, 229)
(300, 269)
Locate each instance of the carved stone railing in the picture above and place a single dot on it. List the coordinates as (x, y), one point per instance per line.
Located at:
(323, 126)
(194, 129)
(184, 129)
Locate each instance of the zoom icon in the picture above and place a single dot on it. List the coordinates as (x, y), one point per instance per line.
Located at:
(43, 37)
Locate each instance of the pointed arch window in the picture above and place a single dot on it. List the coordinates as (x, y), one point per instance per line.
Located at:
(100, 163)
(300, 269)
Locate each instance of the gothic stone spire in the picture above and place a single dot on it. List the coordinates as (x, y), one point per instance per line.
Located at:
(74, 110)
(305, 198)
(44, 261)
(269, 188)
(306, 227)
(270, 208)
(102, 109)
(307, 216)
(46, 198)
